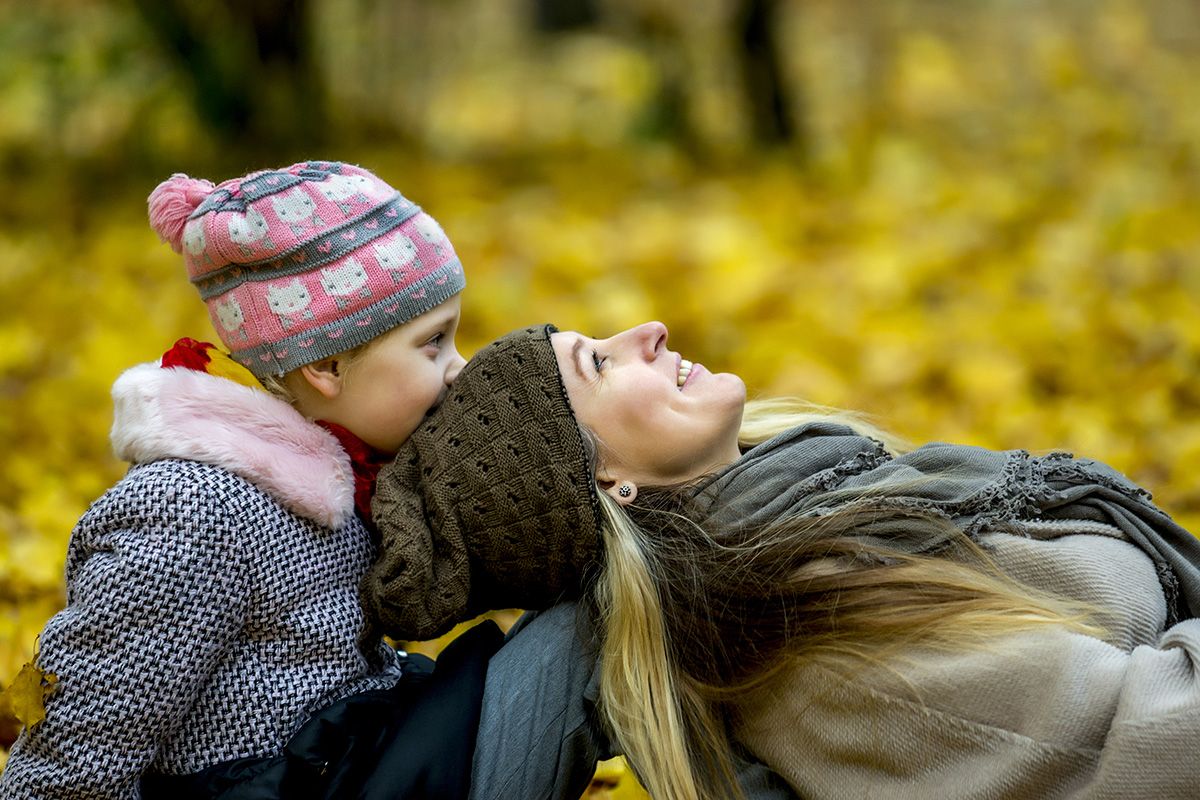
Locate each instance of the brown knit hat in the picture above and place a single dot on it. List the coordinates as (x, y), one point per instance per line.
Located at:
(491, 503)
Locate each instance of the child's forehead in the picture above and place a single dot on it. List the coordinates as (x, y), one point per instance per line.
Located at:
(447, 310)
(451, 306)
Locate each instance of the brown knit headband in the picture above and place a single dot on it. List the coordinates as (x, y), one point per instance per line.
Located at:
(491, 503)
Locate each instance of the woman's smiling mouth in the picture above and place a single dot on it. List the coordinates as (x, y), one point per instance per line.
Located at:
(687, 372)
(685, 369)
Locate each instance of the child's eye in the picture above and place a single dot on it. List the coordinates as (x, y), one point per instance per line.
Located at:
(435, 340)
(597, 361)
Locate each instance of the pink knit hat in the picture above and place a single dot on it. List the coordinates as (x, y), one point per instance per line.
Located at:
(301, 263)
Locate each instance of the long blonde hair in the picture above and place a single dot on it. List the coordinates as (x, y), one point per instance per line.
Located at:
(693, 618)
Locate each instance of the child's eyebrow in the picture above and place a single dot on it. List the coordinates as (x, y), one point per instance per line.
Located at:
(436, 324)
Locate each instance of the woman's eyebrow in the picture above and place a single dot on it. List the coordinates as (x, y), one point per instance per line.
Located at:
(575, 353)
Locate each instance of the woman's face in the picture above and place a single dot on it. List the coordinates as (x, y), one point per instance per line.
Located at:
(657, 422)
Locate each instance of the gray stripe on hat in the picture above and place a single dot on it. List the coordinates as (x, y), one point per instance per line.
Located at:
(218, 200)
(358, 328)
(332, 246)
(270, 183)
(262, 185)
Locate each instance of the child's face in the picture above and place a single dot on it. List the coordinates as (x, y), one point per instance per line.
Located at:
(389, 387)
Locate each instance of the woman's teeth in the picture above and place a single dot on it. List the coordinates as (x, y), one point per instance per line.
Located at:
(685, 369)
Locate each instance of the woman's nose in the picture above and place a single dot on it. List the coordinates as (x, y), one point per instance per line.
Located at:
(652, 337)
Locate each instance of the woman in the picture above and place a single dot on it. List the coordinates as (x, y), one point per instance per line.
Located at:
(948, 622)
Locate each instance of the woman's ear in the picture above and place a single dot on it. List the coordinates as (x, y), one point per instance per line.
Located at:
(324, 377)
(624, 492)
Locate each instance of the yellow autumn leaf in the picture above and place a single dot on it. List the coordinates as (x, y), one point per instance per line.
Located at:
(26, 695)
(221, 365)
(614, 780)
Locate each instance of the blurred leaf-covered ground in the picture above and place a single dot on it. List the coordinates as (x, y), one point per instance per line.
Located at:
(991, 235)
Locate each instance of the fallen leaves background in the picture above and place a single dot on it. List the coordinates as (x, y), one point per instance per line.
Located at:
(989, 234)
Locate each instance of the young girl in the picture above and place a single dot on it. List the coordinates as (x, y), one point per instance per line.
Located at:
(868, 622)
(212, 594)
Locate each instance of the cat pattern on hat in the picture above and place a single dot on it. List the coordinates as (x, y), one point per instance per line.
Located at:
(298, 210)
(229, 313)
(432, 232)
(345, 280)
(289, 301)
(194, 240)
(341, 189)
(398, 255)
(250, 231)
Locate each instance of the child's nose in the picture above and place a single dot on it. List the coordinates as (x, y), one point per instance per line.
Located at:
(456, 365)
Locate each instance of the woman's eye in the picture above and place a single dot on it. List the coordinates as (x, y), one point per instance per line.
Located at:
(597, 361)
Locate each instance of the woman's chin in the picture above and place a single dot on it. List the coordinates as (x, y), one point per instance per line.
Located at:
(730, 384)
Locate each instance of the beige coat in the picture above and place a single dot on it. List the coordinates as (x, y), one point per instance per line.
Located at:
(1044, 714)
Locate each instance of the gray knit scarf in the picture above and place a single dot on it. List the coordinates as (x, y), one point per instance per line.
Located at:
(820, 467)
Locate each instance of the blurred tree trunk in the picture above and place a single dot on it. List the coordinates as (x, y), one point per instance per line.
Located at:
(555, 16)
(657, 29)
(876, 48)
(251, 68)
(772, 115)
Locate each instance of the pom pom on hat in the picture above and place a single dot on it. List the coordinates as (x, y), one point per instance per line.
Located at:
(172, 202)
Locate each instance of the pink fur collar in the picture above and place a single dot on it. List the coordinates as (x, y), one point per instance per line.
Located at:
(180, 413)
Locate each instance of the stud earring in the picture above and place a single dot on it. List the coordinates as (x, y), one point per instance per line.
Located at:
(625, 490)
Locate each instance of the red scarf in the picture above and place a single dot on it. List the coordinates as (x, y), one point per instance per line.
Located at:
(366, 462)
